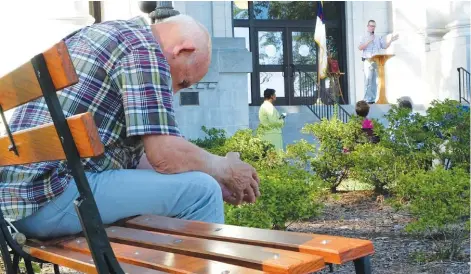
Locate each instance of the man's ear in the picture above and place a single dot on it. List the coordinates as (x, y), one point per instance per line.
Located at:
(185, 46)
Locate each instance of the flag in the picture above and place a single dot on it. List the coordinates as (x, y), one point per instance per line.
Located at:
(321, 41)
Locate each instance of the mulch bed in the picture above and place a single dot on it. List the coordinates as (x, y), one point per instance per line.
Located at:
(360, 214)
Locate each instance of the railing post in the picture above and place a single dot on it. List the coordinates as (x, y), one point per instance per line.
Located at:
(459, 83)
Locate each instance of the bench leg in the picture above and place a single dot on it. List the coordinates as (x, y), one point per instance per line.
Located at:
(56, 269)
(16, 263)
(7, 263)
(29, 267)
(363, 265)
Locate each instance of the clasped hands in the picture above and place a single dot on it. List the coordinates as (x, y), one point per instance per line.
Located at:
(238, 180)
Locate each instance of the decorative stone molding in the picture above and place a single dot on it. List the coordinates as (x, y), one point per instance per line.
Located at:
(461, 24)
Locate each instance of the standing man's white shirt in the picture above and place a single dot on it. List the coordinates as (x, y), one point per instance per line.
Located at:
(371, 45)
(374, 47)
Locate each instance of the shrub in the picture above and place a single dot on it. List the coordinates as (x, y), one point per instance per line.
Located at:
(329, 158)
(288, 195)
(449, 125)
(252, 149)
(441, 136)
(377, 166)
(439, 199)
(215, 138)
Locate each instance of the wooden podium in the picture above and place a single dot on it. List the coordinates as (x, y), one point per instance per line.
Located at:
(380, 60)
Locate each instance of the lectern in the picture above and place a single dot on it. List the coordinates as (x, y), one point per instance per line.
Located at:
(380, 60)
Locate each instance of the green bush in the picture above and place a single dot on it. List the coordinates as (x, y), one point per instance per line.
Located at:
(252, 149)
(214, 138)
(329, 158)
(439, 200)
(289, 193)
(449, 125)
(441, 135)
(377, 166)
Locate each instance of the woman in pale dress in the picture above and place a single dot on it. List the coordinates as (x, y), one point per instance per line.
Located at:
(271, 121)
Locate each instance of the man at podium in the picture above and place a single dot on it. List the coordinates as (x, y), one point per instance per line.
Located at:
(371, 45)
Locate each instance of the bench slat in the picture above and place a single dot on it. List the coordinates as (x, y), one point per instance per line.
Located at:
(337, 250)
(160, 260)
(267, 259)
(42, 143)
(77, 261)
(21, 85)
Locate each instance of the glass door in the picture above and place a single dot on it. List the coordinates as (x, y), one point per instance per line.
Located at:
(271, 64)
(302, 56)
(281, 54)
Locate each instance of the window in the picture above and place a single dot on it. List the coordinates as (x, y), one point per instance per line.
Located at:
(240, 10)
(286, 10)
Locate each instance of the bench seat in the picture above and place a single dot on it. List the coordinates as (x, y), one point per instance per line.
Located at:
(336, 250)
(155, 244)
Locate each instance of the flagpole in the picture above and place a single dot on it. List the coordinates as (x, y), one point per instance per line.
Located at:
(318, 70)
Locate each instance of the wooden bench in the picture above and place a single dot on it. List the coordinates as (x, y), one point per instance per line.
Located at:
(142, 244)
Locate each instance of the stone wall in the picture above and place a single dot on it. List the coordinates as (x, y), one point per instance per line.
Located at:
(222, 93)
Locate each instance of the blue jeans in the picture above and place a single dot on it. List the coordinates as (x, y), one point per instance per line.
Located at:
(125, 193)
(371, 72)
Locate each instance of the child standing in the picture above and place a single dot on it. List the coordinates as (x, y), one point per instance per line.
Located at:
(362, 109)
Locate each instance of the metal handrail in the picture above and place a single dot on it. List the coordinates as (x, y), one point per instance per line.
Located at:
(464, 85)
(311, 92)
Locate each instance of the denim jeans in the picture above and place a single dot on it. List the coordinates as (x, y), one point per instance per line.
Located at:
(371, 72)
(125, 193)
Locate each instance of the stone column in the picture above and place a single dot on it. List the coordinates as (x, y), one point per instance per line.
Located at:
(461, 22)
(405, 72)
(455, 49)
(437, 16)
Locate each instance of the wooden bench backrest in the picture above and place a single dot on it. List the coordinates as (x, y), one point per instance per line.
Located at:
(42, 143)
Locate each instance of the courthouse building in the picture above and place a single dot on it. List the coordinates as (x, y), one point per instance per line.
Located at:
(263, 44)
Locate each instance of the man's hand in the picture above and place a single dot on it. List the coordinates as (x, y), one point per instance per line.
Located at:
(390, 38)
(395, 36)
(239, 179)
(372, 38)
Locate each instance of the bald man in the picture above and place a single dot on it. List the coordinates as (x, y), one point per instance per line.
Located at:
(128, 71)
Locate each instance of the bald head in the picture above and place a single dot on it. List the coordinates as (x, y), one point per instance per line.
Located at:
(186, 45)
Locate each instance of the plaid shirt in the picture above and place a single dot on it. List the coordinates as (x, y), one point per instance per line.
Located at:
(124, 81)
